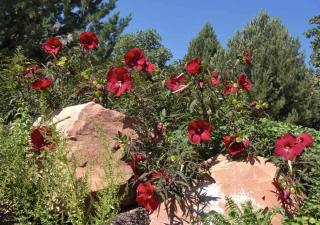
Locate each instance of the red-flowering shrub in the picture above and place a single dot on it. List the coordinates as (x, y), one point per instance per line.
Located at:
(146, 196)
(199, 131)
(176, 83)
(135, 58)
(215, 78)
(244, 82)
(235, 147)
(41, 84)
(118, 80)
(193, 67)
(230, 88)
(304, 140)
(39, 139)
(289, 146)
(52, 45)
(89, 40)
(247, 57)
(31, 70)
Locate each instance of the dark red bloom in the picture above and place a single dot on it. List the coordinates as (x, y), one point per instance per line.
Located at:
(89, 40)
(118, 80)
(135, 58)
(39, 139)
(159, 130)
(283, 194)
(136, 159)
(149, 67)
(200, 84)
(233, 146)
(247, 57)
(146, 196)
(230, 88)
(215, 78)
(52, 45)
(253, 104)
(41, 84)
(244, 82)
(304, 140)
(176, 83)
(287, 147)
(193, 66)
(31, 70)
(199, 131)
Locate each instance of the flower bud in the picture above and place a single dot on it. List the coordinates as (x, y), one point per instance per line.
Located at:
(200, 84)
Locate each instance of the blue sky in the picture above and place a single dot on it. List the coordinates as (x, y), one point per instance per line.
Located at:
(178, 21)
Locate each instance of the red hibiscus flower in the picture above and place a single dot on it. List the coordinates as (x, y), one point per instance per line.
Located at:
(52, 45)
(199, 131)
(31, 70)
(233, 146)
(244, 82)
(304, 140)
(135, 58)
(41, 84)
(230, 88)
(176, 83)
(39, 139)
(215, 78)
(146, 196)
(136, 159)
(118, 80)
(89, 40)
(149, 67)
(287, 147)
(247, 57)
(193, 66)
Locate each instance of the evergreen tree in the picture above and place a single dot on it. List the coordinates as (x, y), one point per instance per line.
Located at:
(28, 23)
(278, 71)
(314, 34)
(204, 45)
(149, 41)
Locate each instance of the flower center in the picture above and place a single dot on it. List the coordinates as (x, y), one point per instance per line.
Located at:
(198, 131)
(120, 83)
(287, 147)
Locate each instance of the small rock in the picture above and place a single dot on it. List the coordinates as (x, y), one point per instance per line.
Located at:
(138, 216)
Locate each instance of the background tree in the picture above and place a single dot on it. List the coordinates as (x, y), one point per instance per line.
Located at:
(28, 23)
(314, 34)
(149, 41)
(278, 71)
(204, 45)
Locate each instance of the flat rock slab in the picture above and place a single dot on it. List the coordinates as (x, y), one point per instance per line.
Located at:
(90, 131)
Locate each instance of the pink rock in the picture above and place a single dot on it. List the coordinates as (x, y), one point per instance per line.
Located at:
(161, 217)
(242, 181)
(90, 131)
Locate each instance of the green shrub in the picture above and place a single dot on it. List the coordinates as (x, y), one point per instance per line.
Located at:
(41, 188)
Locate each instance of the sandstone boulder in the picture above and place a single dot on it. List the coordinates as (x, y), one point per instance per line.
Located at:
(240, 180)
(90, 131)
